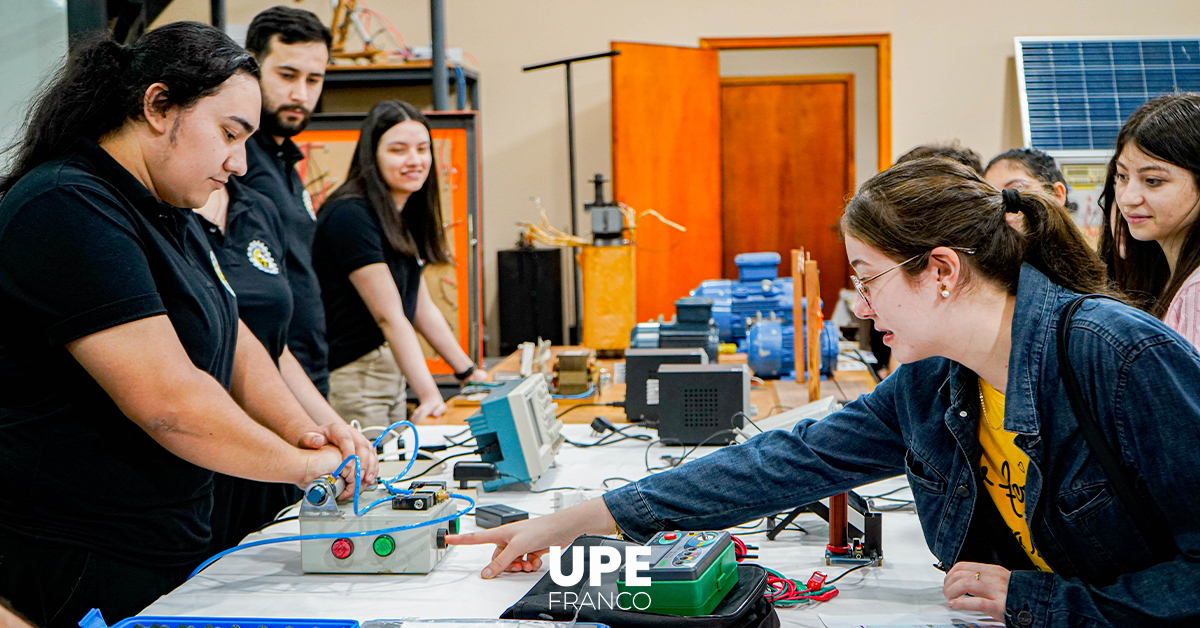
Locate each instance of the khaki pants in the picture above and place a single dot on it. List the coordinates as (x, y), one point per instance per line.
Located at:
(369, 389)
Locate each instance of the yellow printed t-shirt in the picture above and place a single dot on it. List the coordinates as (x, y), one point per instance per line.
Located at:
(1003, 466)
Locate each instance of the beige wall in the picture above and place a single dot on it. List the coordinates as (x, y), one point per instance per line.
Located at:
(952, 70)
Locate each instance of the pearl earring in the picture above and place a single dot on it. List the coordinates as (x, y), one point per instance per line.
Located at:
(945, 292)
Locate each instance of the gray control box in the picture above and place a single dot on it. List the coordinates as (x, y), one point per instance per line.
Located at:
(413, 551)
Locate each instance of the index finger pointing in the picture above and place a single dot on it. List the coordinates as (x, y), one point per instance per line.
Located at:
(474, 538)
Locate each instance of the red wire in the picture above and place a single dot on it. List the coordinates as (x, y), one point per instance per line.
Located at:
(785, 590)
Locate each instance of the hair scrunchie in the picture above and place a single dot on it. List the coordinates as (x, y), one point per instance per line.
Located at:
(1012, 201)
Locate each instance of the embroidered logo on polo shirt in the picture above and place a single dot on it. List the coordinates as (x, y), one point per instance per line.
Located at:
(309, 206)
(220, 275)
(261, 257)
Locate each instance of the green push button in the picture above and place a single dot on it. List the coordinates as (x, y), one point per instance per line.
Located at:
(384, 545)
(454, 526)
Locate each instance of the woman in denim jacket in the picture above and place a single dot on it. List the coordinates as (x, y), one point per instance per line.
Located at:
(970, 307)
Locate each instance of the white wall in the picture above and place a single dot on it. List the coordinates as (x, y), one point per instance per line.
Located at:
(952, 70)
(33, 41)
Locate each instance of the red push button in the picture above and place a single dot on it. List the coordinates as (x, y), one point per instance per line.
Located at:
(343, 548)
(670, 536)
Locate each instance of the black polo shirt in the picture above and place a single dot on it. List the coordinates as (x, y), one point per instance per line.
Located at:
(251, 252)
(350, 236)
(271, 170)
(85, 247)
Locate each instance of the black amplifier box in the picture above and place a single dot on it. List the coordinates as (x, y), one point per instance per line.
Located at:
(641, 379)
(702, 403)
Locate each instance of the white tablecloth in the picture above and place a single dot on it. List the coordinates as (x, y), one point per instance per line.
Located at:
(268, 582)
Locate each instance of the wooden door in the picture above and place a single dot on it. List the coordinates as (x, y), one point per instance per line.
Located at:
(666, 126)
(787, 170)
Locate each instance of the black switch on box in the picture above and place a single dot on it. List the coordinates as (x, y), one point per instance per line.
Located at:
(497, 515)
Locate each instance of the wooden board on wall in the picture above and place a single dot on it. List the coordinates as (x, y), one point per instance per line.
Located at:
(666, 125)
(787, 169)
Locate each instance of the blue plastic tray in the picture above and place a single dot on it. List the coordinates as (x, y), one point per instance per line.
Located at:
(95, 620)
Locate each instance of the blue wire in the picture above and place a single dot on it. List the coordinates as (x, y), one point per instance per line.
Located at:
(416, 449)
(381, 500)
(357, 477)
(338, 471)
(583, 395)
(335, 535)
(389, 429)
(460, 87)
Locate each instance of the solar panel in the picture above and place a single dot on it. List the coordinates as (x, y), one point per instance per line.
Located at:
(1077, 92)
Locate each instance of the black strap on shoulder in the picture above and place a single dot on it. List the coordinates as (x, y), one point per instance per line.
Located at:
(1152, 528)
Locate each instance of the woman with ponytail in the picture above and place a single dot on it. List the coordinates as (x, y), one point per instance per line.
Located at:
(1151, 203)
(126, 377)
(1020, 512)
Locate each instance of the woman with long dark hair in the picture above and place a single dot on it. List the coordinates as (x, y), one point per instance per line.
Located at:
(126, 377)
(1028, 523)
(1151, 202)
(374, 235)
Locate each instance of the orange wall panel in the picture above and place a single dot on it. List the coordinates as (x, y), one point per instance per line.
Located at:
(666, 125)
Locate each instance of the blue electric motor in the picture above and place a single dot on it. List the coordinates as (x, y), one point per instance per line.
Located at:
(758, 291)
(755, 313)
(770, 348)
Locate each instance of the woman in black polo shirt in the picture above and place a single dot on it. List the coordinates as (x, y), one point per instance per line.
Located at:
(121, 346)
(246, 232)
(373, 236)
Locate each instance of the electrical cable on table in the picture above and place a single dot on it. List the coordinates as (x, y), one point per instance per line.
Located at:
(678, 461)
(611, 404)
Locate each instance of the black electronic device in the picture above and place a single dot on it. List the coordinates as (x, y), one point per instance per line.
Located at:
(608, 222)
(702, 403)
(861, 544)
(494, 515)
(422, 496)
(692, 326)
(419, 500)
(641, 379)
(467, 470)
(530, 296)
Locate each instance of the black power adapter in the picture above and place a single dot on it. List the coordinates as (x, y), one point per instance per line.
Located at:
(467, 471)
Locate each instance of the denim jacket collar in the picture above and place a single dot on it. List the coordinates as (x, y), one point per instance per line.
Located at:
(1033, 335)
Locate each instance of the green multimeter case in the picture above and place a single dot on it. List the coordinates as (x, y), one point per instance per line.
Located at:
(690, 573)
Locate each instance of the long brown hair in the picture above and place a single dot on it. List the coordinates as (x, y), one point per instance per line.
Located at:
(416, 230)
(911, 208)
(1166, 128)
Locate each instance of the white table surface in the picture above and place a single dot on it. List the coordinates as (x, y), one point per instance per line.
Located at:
(267, 581)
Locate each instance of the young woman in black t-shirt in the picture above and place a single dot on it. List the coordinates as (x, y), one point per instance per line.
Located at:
(373, 236)
(123, 364)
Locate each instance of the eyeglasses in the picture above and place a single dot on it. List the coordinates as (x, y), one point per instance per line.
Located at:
(860, 285)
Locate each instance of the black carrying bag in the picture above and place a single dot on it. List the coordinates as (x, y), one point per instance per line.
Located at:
(744, 607)
(1150, 525)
